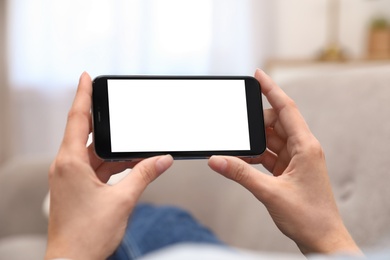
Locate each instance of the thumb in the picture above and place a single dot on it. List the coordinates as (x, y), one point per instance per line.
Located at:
(258, 183)
(144, 173)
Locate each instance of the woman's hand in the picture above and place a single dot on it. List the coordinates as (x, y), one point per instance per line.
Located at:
(87, 217)
(298, 196)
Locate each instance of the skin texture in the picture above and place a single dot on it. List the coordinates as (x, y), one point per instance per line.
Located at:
(88, 217)
(298, 194)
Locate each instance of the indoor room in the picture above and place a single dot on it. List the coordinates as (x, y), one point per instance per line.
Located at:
(332, 57)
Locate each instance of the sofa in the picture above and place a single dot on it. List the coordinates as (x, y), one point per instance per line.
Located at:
(348, 111)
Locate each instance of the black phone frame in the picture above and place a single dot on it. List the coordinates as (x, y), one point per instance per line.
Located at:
(101, 125)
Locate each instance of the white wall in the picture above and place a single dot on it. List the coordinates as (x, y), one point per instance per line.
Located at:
(301, 26)
(262, 35)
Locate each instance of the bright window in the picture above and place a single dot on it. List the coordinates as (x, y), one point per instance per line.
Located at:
(51, 42)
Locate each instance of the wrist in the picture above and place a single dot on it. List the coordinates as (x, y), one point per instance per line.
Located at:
(337, 242)
(60, 251)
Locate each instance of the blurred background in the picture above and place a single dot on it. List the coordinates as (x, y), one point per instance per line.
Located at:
(46, 45)
(331, 56)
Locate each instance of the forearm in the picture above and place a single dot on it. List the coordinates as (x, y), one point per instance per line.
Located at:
(338, 241)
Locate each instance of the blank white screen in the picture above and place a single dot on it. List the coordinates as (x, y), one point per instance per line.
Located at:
(177, 115)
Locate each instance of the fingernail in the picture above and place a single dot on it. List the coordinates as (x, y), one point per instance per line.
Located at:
(220, 162)
(81, 77)
(163, 163)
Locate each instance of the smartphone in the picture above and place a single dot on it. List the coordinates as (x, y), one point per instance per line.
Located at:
(188, 117)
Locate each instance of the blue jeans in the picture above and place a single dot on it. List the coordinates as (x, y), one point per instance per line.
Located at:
(154, 227)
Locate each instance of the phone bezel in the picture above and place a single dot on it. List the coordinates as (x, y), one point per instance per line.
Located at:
(101, 125)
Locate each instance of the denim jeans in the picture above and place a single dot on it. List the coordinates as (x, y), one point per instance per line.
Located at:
(154, 227)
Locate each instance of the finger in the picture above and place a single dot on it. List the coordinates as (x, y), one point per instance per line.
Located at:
(252, 160)
(267, 159)
(107, 169)
(79, 117)
(271, 161)
(274, 142)
(143, 174)
(287, 111)
(237, 170)
(270, 117)
(94, 160)
(281, 163)
(271, 121)
(104, 169)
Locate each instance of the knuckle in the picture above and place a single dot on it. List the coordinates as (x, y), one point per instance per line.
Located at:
(52, 170)
(147, 174)
(62, 164)
(75, 113)
(314, 148)
(72, 113)
(317, 149)
(240, 174)
(291, 103)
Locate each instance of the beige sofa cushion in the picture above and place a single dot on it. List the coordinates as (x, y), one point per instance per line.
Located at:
(349, 112)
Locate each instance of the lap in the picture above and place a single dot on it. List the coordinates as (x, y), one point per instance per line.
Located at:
(154, 227)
